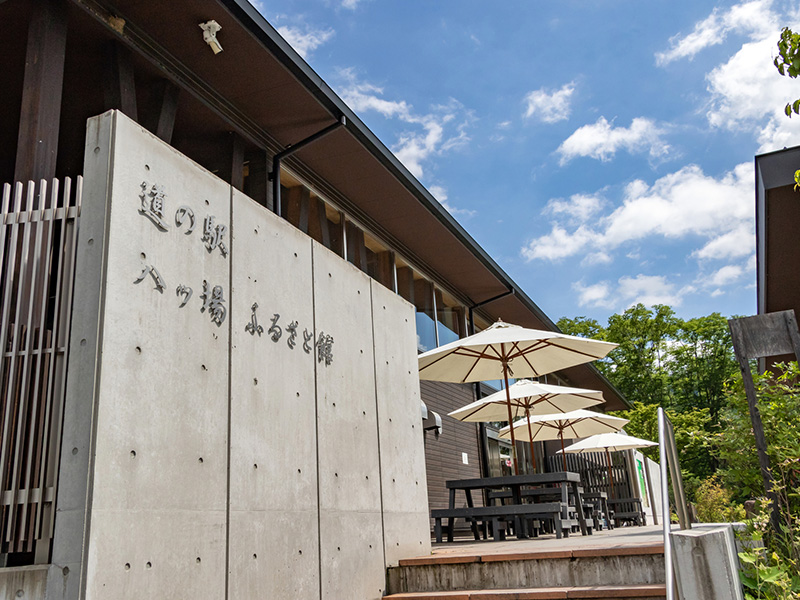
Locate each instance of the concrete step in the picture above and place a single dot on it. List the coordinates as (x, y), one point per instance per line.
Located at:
(574, 571)
(628, 592)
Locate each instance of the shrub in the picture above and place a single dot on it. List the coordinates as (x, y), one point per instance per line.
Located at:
(714, 503)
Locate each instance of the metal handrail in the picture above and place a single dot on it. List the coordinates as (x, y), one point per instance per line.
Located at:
(668, 457)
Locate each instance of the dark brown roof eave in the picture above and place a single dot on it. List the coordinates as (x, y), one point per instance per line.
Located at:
(260, 28)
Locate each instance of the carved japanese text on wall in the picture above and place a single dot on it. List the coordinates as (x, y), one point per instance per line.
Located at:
(153, 201)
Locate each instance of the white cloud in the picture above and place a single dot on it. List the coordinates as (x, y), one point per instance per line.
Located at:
(597, 258)
(363, 97)
(350, 4)
(579, 207)
(754, 18)
(644, 289)
(735, 243)
(686, 202)
(597, 295)
(305, 39)
(748, 94)
(713, 214)
(724, 276)
(602, 140)
(549, 106)
(440, 194)
(443, 129)
(649, 290)
(559, 243)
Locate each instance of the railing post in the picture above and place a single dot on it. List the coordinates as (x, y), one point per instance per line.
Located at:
(665, 515)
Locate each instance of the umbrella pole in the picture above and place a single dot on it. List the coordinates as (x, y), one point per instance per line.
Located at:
(530, 436)
(610, 476)
(563, 454)
(508, 405)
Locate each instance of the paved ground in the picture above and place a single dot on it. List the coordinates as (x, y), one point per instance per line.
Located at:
(620, 537)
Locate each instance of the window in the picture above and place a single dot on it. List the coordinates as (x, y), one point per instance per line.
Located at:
(450, 318)
(419, 291)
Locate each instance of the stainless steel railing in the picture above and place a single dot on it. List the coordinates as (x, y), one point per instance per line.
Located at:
(668, 455)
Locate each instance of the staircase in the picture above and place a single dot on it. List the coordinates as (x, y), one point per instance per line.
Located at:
(633, 572)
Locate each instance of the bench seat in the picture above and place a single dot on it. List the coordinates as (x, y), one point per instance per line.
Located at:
(505, 512)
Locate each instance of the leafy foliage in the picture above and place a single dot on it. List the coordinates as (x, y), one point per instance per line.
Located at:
(772, 572)
(688, 367)
(788, 64)
(768, 574)
(692, 437)
(663, 360)
(779, 405)
(714, 503)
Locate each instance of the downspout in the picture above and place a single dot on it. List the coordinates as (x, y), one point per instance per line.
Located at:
(275, 175)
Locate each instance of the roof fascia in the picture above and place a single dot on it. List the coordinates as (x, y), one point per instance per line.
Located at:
(294, 63)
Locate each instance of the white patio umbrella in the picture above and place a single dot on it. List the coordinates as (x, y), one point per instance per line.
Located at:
(504, 350)
(575, 424)
(528, 398)
(610, 442)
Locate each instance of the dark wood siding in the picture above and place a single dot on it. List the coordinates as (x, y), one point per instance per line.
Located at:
(443, 456)
(782, 252)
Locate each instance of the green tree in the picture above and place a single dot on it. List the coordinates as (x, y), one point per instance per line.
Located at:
(702, 361)
(639, 367)
(682, 365)
(788, 64)
(693, 437)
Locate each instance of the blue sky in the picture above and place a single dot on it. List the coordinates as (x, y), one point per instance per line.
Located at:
(601, 152)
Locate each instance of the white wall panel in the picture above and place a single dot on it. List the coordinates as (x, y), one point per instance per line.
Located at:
(273, 469)
(160, 454)
(403, 482)
(349, 472)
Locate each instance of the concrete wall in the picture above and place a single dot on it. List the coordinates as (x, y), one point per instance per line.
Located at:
(228, 458)
(24, 583)
(706, 564)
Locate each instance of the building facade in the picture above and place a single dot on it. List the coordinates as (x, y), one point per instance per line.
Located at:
(87, 80)
(777, 245)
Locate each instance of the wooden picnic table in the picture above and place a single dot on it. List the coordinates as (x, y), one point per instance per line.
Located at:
(568, 482)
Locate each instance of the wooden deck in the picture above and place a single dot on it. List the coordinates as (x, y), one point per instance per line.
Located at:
(627, 562)
(621, 537)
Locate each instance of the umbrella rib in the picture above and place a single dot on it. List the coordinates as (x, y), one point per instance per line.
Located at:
(443, 356)
(475, 364)
(527, 362)
(523, 354)
(537, 345)
(592, 356)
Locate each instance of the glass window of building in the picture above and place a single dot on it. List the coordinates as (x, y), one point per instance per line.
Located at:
(419, 291)
(450, 318)
(480, 322)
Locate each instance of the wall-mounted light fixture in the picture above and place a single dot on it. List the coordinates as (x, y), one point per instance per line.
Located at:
(210, 29)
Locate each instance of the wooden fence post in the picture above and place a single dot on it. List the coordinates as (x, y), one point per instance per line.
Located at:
(770, 334)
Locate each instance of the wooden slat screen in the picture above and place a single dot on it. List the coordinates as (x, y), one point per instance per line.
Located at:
(593, 469)
(38, 235)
